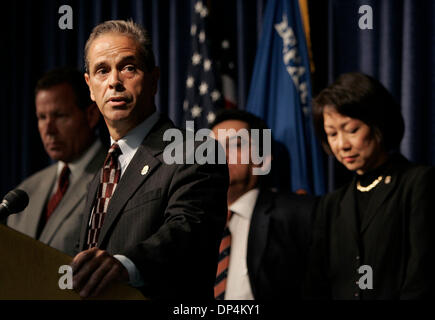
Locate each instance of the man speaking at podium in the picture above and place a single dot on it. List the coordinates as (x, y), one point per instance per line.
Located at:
(66, 121)
(154, 225)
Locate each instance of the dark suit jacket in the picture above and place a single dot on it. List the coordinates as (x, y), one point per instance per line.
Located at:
(396, 238)
(168, 222)
(278, 243)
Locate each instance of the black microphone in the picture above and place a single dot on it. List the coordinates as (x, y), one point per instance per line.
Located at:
(15, 201)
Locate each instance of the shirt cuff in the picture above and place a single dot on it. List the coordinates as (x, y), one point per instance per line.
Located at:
(133, 273)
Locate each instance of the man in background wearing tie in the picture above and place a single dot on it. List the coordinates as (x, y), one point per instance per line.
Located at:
(152, 224)
(262, 253)
(66, 120)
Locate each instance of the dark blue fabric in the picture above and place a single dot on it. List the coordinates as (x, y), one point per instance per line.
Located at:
(280, 93)
(35, 44)
(399, 51)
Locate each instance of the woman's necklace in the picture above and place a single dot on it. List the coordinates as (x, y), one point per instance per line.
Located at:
(370, 186)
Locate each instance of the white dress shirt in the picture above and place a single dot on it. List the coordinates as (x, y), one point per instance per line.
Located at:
(238, 286)
(129, 145)
(131, 142)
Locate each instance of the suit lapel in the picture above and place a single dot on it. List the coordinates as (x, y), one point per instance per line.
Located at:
(380, 194)
(132, 179)
(73, 197)
(38, 201)
(348, 211)
(64, 209)
(128, 184)
(258, 232)
(92, 192)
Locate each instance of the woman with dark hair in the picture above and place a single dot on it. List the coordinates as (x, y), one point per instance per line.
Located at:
(373, 238)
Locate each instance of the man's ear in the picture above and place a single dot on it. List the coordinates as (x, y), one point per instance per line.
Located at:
(155, 75)
(89, 85)
(92, 115)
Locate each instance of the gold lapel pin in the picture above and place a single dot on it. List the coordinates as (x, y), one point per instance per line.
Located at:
(387, 179)
(145, 170)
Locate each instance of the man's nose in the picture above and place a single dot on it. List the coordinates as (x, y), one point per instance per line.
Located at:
(51, 127)
(115, 81)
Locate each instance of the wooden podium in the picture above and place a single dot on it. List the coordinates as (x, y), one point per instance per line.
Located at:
(29, 269)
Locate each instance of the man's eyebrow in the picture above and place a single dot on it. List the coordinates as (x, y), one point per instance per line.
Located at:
(128, 59)
(99, 65)
(132, 59)
(123, 60)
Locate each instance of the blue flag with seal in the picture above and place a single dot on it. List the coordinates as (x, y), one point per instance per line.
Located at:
(280, 93)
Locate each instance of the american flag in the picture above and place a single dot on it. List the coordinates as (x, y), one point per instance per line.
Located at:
(228, 73)
(202, 95)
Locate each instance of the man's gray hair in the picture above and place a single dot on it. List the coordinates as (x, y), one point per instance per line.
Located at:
(128, 28)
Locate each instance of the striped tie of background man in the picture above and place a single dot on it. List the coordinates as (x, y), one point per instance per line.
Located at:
(224, 261)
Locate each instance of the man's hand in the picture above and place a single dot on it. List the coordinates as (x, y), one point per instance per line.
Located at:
(94, 270)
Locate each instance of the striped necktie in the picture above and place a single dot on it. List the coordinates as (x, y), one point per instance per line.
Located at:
(224, 261)
(110, 175)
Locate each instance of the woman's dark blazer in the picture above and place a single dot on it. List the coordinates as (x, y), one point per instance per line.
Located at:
(395, 238)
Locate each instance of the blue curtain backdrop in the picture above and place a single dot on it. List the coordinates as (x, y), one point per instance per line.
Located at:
(399, 51)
